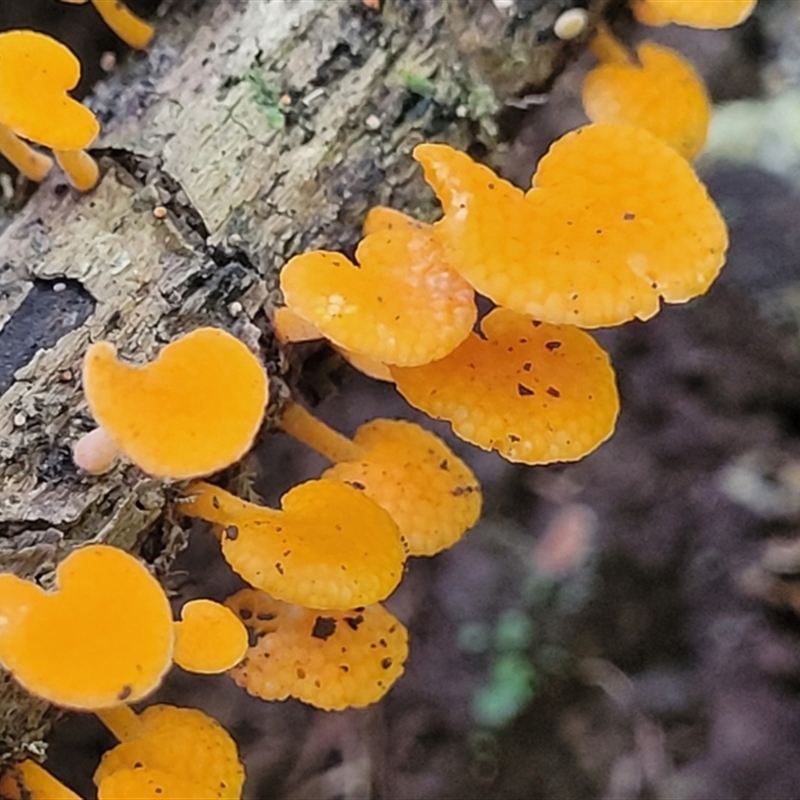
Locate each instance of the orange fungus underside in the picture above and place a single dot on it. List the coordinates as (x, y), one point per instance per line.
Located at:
(694, 13)
(537, 393)
(329, 547)
(36, 72)
(181, 751)
(104, 637)
(402, 305)
(662, 93)
(616, 220)
(430, 493)
(194, 410)
(330, 659)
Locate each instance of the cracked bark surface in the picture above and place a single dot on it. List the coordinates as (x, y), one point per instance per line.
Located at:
(197, 125)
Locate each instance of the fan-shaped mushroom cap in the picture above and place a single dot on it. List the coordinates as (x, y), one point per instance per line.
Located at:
(181, 751)
(194, 410)
(330, 659)
(30, 781)
(616, 219)
(536, 393)
(103, 638)
(330, 546)
(429, 492)
(36, 72)
(403, 305)
(209, 638)
(662, 93)
(695, 13)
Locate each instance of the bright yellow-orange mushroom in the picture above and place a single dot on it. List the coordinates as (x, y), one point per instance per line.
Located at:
(330, 659)
(30, 781)
(135, 32)
(193, 411)
(615, 221)
(694, 13)
(171, 753)
(661, 93)
(430, 493)
(36, 72)
(402, 305)
(534, 392)
(329, 546)
(103, 638)
(209, 638)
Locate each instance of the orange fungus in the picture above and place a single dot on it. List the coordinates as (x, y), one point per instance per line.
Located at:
(402, 305)
(194, 410)
(104, 637)
(615, 220)
(208, 638)
(535, 392)
(329, 546)
(330, 659)
(694, 13)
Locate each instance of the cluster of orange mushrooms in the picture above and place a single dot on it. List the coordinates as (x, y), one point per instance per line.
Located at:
(615, 222)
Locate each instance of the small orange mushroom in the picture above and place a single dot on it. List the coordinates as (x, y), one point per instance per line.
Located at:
(36, 72)
(194, 410)
(103, 638)
(402, 305)
(31, 781)
(330, 659)
(209, 638)
(329, 546)
(430, 493)
(135, 32)
(171, 754)
(661, 93)
(694, 13)
(615, 220)
(535, 392)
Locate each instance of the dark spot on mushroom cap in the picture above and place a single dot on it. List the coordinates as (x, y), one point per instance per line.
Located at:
(125, 692)
(356, 485)
(527, 366)
(354, 622)
(513, 437)
(279, 567)
(628, 216)
(386, 663)
(524, 391)
(215, 502)
(231, 532)
(552, 345)
(553, 392)
(245, 613)
(324, 628)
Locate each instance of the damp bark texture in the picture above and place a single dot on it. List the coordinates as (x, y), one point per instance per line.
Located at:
(258, 130)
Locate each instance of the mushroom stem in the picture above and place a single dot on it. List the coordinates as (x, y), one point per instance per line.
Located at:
(95, 452)
(81, 168)
(135, 32)
(297, 422)
(608, 49)
(31, 164)
(31, 780)
(121, 720)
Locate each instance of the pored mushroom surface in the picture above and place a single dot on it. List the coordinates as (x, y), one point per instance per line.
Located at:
(694, 13)
(401, 305)
(536, 393)
(661, 93)
(208, 637)
(181, 751)
(615, 221)
(430, 493)
(194, 410)
(329, 547)
(104, 637)
(330, 659)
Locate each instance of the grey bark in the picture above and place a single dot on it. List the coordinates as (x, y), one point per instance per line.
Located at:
(264, 129)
